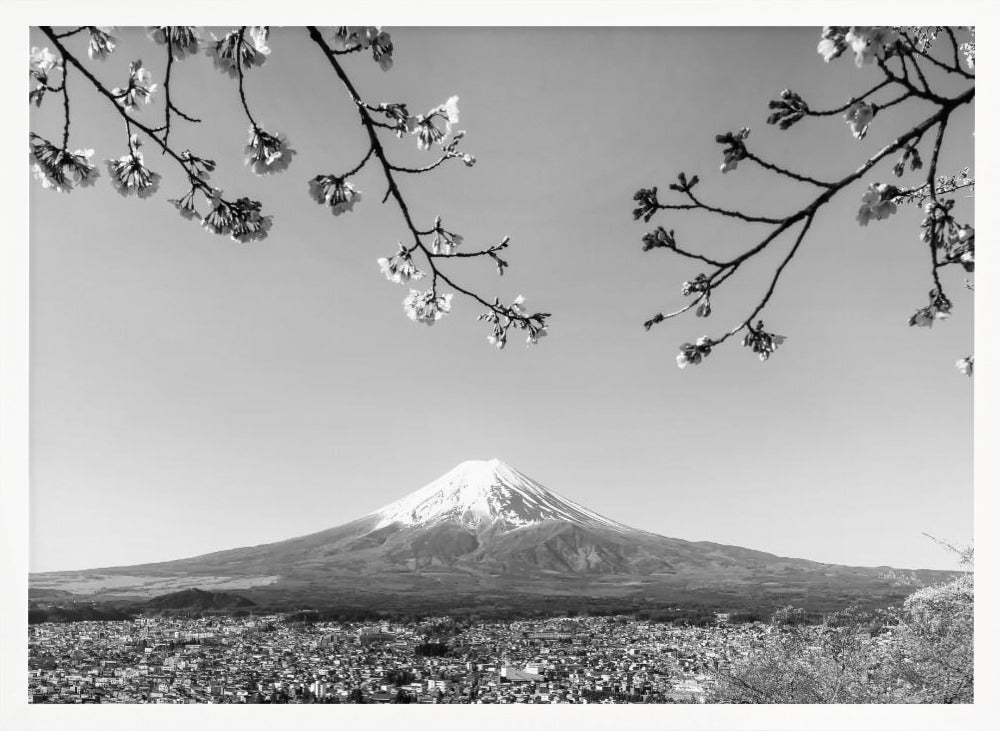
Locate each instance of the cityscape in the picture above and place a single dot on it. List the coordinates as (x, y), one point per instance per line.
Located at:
(274, 659)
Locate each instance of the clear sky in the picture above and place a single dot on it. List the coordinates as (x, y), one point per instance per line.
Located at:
(190, 394)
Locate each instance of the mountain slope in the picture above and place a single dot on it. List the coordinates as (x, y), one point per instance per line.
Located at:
(482, 527)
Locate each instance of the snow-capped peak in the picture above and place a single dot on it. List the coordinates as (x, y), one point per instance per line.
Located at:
(478, 493)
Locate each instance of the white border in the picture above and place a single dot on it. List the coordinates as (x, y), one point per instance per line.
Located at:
(16, 713)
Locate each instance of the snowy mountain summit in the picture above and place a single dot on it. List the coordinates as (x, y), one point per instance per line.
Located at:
(487, 493)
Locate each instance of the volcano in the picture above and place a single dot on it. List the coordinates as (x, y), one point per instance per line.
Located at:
(484, 529)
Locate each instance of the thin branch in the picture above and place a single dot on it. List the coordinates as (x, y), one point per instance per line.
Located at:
(851, 102)
(393, 192)
(774, 281)
(65, 93)
(73, 32)
(787, 173)
(239, 71)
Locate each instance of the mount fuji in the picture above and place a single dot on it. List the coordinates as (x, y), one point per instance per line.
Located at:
(488, 531)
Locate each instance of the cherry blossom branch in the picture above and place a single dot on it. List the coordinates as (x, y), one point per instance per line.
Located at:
(238, 50)
(129, 120)
(533, 322)
(878, 203)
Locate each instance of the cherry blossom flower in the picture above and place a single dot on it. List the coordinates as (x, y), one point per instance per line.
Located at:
(139, 86)
(400, 267)
(102, 43)
(426, 307)
(231, 50)
(536, 333)
(348, 38)
(41, 62)
(397, 115)
(700, 283)
(832, 42)
(870, 42)
(444, 242)
(185, 40)
(877, 203)
(735, 151)
(425, 129)
(761, 342)
(185, 205)
(58, 169)
(334, 191)
(858, 117)
(938, 309)
(129, 175)
(966, 365)
(694, 353)
(969, 49)
(266, 152)
(381, 44)
(240, 219)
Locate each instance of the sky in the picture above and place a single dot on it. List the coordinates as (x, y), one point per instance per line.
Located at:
(191, 394)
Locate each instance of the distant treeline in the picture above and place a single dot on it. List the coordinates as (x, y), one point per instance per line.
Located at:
(77, 613)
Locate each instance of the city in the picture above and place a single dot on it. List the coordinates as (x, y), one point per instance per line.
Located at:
(274, 659)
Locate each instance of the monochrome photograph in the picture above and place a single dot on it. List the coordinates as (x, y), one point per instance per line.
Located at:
(483, 365)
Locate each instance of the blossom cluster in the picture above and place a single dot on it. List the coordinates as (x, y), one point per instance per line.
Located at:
(139, 87)
(735, 148)
(129, 174)
(699, 284)
(432, 128)
(762, 342)
(939, 308)
(444, 242)
(425, 126)
(267, 153)
(659, 238)
(334, 191)
(966, 365)
(59, 169)
(647, 204)
(969, 50)
(788, 110)
(502, 318)
(349, 38)
(694, 353)
(184, 40)
(426, 307)
(241, 219)
(879, 202)
(102, 43)
(868, 42)
(240, 48)
(400, 268)
(858, 117)
(41, 63)
(940, 230)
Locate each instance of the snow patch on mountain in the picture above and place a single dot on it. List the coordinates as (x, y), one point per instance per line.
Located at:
(481, 493)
